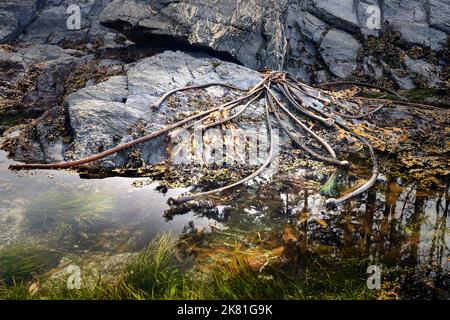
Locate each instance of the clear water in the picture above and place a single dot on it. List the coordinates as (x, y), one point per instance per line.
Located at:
(395, 225)
(137, 212)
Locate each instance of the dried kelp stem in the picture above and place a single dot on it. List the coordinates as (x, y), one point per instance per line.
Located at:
(333, 160)
(281, 92)
(158, 103)
(234, 116)
(256, 173)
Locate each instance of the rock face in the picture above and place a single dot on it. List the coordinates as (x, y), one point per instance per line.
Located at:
(118, 110)
(46, 22)
(412, 18)
(314, 39)
(15, 16)
(249, 30)
(35, 78)
(51, 24)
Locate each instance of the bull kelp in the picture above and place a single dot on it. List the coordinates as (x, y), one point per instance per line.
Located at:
(278, 238)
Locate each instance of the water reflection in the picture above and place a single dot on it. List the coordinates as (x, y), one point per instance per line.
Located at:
(35, 205)
(404, 229)
(397, 226)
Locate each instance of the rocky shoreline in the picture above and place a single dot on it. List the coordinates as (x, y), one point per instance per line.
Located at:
(68, 94)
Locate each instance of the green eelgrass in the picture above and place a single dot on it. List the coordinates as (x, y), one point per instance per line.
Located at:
(15, 291)
(21, 262)
(67, 214)
(238, 281)
(158, 274)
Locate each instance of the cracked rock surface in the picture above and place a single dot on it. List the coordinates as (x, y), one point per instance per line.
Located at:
(118, 110)
(314, 39)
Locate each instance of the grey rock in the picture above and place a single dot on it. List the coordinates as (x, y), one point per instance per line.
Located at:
(423, 69)
(403, 82)
(50, 27)
(252, 31)
(372, 67)
(410, 17)
(440, 15)
(340, 50)
(340, 13)
(293, 35)
(35, 78)
(8, 26)
(53, 62)
(304, 32)
(42, 53)
(280, 33)
(311, 26)
(369, 22)
(15, 16)
(101, 116)
(321, 77)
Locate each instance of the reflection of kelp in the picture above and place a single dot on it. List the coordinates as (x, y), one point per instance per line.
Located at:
(67, 214)
(397, 226)
(400, 228)
(266, 205)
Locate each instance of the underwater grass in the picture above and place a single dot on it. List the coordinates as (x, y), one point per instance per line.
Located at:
(15, 291)
(237, 281)
(157, 273)
(67, 214)
(19, 263)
